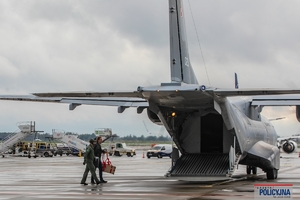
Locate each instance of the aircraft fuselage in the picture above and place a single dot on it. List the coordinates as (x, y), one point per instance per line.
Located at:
(215, 125)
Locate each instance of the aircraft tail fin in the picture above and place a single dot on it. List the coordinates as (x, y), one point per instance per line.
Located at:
(181, 68)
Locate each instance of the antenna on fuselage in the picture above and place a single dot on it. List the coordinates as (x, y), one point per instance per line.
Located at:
(236, 83)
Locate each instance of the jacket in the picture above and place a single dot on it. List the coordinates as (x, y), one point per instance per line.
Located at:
(98, 150)
(89, 154)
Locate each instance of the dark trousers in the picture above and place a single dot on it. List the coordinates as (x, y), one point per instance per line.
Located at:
(100, 171)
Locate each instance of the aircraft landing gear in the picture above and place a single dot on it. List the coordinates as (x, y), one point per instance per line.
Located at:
(251, 168)
(272, 174)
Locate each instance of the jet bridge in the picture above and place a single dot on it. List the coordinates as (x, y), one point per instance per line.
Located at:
(26, 128)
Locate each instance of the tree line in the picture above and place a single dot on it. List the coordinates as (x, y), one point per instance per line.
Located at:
(88, 136)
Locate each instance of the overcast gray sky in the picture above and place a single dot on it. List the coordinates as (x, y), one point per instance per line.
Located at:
(60, 46)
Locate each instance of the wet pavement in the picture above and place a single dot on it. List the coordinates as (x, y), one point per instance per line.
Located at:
(135, 178)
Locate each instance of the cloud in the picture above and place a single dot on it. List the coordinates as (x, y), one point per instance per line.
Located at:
(56, 46)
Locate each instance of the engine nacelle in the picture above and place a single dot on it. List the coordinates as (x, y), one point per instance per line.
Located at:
(289, 146)
(153, 117)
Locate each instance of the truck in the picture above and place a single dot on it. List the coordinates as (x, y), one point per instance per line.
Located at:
(114, 148)
(119, 149)
(35, 149)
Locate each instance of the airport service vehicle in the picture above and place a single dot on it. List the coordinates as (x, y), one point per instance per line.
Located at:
(8, 143)
(35, 149)
(119, 149)
(32, 149)
(160, 150)
(63, 148)
(71, 140)
(74, 143)
(113, 148)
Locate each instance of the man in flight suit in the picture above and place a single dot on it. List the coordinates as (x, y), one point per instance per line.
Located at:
(88, 160)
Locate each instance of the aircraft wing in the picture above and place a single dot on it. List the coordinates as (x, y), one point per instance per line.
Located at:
(278, 100)
(187, 96)
(252, 92)
(263, 97)
(133, 94)
(83, 99)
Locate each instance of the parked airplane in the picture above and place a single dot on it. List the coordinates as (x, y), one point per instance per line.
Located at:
(288, 144)
(214, 129)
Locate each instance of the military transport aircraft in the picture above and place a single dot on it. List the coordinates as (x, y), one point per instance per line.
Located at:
(214, 129)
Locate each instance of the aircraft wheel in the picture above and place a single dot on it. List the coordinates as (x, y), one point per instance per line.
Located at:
(254, 170)
(272, 174)
(248, 170)
(251, 168)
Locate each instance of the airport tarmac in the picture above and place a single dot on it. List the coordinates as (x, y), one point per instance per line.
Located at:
(135, 178)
